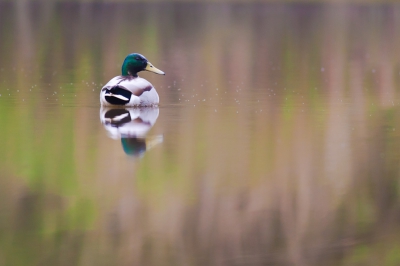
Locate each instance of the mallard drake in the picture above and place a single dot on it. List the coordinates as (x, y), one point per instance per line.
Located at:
(129, 89)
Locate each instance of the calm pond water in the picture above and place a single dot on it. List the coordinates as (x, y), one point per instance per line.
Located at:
(277, 140)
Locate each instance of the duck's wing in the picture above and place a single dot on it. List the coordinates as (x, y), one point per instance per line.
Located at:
(135, 85)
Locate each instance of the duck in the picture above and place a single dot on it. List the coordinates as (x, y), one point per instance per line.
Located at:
(129, 89)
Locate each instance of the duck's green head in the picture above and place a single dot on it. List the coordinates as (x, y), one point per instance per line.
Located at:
(135, 63)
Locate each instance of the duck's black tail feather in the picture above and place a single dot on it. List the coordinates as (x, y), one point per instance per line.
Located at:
(118, 95)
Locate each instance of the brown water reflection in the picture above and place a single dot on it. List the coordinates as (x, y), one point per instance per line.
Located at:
(280, 143)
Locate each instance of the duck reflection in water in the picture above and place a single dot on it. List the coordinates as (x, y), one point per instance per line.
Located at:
(131, 125)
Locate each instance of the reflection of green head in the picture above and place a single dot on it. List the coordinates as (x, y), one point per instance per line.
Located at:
(134, 146)
(133, 63)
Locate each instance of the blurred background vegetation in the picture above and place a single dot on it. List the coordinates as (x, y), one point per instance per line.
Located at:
(217, 1)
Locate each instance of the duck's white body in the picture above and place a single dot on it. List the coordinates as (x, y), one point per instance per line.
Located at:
(129, 91)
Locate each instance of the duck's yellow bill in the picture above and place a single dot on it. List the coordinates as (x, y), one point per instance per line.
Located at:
(153, 69)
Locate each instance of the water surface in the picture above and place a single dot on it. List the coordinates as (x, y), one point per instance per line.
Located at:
(276, 141)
